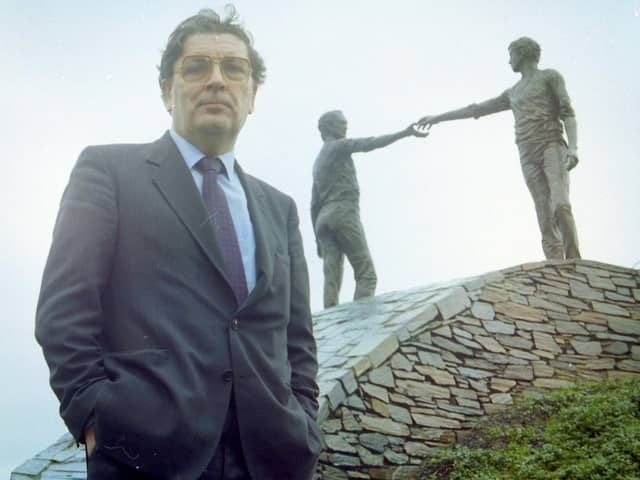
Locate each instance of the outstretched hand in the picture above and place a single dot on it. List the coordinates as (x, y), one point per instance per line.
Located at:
(426, 120)
(418, 130)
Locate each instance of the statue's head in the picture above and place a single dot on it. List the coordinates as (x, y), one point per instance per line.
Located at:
(332, 124)
(522, 50)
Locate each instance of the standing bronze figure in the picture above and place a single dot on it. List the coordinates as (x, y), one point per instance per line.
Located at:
(335, 209)
(543, 114)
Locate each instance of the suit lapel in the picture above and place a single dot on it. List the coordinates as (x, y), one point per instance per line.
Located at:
(264, 245)
(175, 182)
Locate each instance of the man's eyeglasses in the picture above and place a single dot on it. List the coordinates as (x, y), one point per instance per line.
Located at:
(197, 68)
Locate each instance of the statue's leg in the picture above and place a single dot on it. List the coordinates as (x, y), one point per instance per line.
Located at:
(333, 266)
(354, 244)
(555, 169)
(537, 183)
(332, 256)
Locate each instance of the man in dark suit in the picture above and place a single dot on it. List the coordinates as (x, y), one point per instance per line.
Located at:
(174, 310)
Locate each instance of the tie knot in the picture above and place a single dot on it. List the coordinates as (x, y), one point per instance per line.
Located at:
(211, 163)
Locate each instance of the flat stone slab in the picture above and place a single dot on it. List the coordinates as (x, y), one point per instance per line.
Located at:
(384, 425)
(627, 327)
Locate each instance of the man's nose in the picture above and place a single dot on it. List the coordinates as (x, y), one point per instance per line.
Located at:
(215, 76)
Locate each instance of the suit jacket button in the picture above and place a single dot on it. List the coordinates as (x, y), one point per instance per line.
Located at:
(227, 376)
(235, 324)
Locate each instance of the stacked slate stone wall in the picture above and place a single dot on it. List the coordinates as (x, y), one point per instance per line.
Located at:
(460, 352)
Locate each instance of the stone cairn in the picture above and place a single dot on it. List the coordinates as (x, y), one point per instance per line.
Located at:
(407, 373)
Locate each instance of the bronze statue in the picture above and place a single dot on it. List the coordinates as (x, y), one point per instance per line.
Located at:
(335, 210)
(543, 113)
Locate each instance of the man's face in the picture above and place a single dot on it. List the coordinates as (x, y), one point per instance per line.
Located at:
(339, 125)
(515, 59)
(215, 105)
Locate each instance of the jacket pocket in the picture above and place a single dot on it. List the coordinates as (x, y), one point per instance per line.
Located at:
(134, 405)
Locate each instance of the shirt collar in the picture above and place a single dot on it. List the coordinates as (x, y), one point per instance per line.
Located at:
(192, 155)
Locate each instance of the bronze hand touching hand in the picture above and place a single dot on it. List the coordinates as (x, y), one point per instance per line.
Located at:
(427, 120)
(418, 130)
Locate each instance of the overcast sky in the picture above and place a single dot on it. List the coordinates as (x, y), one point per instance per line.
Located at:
(452, 205)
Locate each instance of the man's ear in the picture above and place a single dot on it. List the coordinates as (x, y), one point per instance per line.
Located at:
(165, 87)
(252, 107)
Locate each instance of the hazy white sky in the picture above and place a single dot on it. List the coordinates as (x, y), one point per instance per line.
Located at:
(452, 205)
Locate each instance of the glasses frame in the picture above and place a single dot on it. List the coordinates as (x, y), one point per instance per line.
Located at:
(213, 61)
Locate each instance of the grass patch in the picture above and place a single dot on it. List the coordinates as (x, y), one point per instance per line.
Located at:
(589, 432)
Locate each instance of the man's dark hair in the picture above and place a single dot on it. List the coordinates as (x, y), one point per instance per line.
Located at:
(208, 21)
(528, 46)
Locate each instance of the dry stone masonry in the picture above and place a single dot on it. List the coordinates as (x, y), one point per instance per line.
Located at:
(406, 373)
(409, 372)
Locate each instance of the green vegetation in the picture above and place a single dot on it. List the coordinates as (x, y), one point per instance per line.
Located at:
(589, 432)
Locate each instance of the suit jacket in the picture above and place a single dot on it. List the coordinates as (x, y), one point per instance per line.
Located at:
(142, 333)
